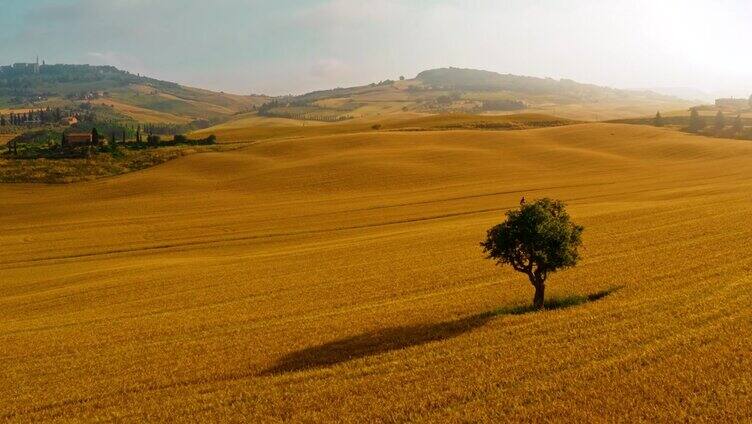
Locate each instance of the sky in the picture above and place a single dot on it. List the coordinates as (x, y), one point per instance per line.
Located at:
(295, 46)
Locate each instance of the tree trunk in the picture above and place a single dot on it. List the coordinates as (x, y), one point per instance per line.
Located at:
(538, 300)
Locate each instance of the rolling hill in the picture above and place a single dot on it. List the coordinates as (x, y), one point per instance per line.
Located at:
(447, 90)
(25, 86)
(454, 90)
(253, 127)
(338, 277)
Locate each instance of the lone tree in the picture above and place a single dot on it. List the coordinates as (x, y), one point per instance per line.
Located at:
(658, 121)
(536, 239)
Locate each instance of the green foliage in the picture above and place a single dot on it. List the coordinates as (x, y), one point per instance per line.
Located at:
(44, 143)
(537, 239)
(94, 137)
(50, 144)
(153, 140)
(112, 144)
(302, 109)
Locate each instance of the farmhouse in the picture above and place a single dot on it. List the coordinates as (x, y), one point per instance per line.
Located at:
(77, 140)
(732, 103)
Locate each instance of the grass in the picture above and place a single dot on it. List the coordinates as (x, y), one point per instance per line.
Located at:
(335, 277)
(388, 339)
(254, 127)
(554, 303)
(70, 170)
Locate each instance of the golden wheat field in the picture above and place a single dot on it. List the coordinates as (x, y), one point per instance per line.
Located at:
(339, 278)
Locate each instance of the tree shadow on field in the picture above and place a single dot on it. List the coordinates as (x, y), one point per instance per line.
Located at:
(396, 338)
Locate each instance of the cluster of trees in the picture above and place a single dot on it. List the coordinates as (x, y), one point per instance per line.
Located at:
(697, 123)
(267, 107)
(448, 99)
(307, 116)
(89, 116)
(503, 105)
(382, 83)
(42, 116)
(299, 109)
(54, 144)
(498, 104)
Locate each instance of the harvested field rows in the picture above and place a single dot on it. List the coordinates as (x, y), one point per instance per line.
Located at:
(339, 278)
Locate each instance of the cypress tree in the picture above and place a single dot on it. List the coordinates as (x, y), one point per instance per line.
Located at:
(94, 137)
(720, 121)
(738, 125)
(696, 122)
(658, 121)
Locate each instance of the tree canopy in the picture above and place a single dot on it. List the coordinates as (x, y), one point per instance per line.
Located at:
(537, 239)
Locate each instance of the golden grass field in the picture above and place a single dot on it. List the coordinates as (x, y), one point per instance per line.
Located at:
(339, 278)
(142, 114)
(253, 127)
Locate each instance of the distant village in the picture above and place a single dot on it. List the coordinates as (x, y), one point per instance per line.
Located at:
(36, 68)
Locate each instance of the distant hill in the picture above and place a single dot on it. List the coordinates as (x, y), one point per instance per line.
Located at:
(561, 90)
(116, 95)
(471, 91)
(697, 96)
(31, 86)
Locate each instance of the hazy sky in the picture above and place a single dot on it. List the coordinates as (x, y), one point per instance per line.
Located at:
(286, 46)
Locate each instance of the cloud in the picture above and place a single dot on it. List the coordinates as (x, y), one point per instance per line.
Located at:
(299, 45)
(336, 13)
(331, 68)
